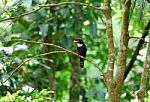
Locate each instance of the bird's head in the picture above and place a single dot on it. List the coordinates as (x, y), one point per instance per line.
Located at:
(79, 42)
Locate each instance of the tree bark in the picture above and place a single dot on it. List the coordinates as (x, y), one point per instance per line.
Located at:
(109, 73)
(75, 80)
(136, 52)
(122, 50)
(141, 91)
(114, 84)
(47, 48)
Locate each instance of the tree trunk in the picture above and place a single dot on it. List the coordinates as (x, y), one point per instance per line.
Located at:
(75, 80)
(50, 64)
(141, 91)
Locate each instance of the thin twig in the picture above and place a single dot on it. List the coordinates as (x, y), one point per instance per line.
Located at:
(57, 46)
(24, 14)
(7, 26)
(137, 38)
(73, 3)
(48, 53)
(52, 5)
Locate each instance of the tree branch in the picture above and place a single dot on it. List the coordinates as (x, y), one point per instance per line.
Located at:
(48, 53)
(136, 52)
(109, 73)
(24, 14)
(141, 91)
(57, 46)
(123, 49)
(53, 5)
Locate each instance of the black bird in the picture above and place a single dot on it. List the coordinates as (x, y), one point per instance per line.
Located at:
(81, 47)
(148, 1)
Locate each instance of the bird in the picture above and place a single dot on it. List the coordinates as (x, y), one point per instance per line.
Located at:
(81, 48)
(148, 1)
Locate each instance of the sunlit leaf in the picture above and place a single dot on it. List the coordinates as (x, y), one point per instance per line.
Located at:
(43, 29)
(27, 3)
(93, 27)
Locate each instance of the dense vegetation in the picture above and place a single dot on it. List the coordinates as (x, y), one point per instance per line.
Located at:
(36, 44)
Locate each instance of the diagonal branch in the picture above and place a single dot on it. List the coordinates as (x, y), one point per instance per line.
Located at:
(48, 53)
(24, 14)
(136, 52)
(73, 3)
(62, 48)
(53, 5)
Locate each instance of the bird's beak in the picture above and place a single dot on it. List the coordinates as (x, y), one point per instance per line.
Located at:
(75, 41)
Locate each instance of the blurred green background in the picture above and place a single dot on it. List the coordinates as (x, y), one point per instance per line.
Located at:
(60, 25)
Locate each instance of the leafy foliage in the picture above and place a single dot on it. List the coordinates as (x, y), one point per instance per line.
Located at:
(22, 96)
(61, 24)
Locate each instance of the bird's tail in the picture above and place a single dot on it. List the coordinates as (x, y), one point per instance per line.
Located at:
(81, 62)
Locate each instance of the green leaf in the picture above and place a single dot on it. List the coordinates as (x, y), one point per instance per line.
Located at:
(27, 3)
(97, 3)
(93, 28)
(64, 12)
(93, 73)
(42, 12)
(43, 29)
(36, 93)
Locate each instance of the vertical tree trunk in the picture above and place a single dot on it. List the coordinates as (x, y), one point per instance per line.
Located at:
(114, 84)
(75, 80)
(109, 74)
(50, 64)
(122, 50)
(141, 91)
(48, 39)
(138, 48)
